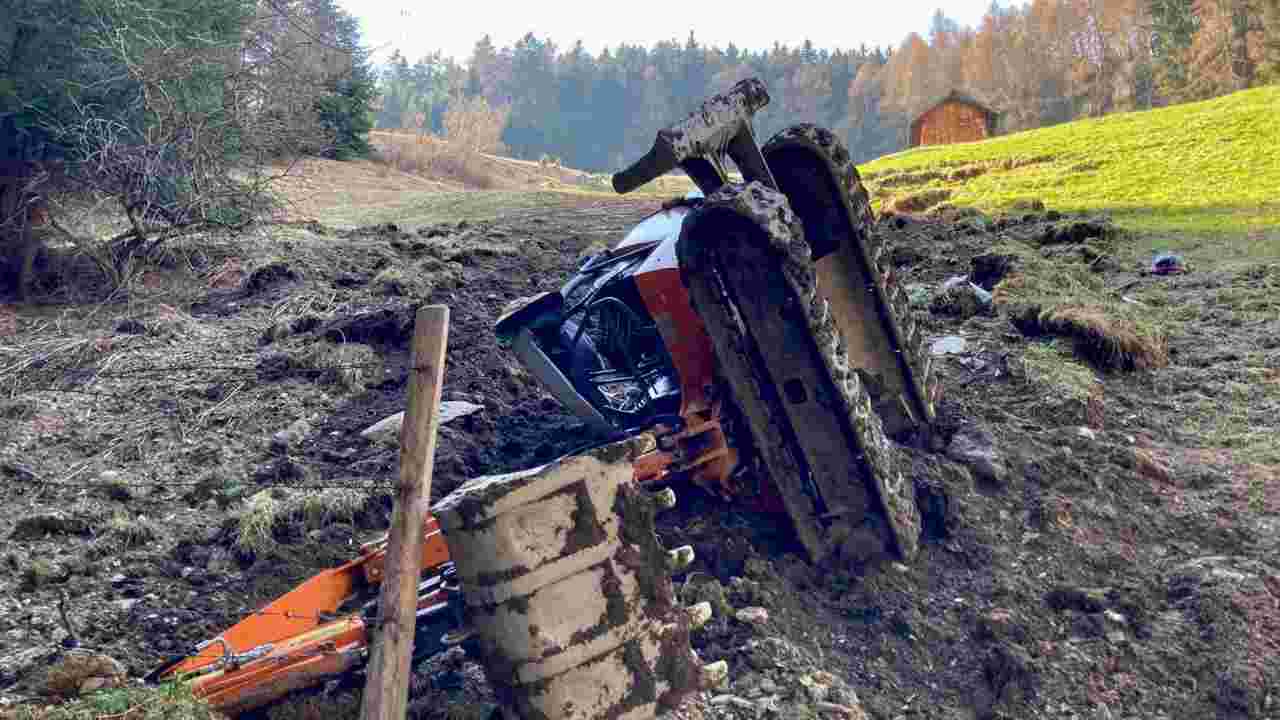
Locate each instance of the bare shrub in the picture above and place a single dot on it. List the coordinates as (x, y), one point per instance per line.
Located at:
(473, 125)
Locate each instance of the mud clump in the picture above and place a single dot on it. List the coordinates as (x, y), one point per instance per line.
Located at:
(990, 268)
(919, 201)
(50, 523)
(1107, 341)
(388, 326)
(269, 276)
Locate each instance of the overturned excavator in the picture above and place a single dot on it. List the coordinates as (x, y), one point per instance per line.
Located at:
(752, 329)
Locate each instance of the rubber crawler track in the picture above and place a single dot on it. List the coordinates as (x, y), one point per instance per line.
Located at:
(781, 231)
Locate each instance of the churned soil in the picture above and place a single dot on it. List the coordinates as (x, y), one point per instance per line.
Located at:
(1100, 542)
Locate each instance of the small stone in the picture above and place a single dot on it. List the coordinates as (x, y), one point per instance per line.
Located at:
(388, 428)
(948, 345)
(291, 436)
(118, 579)
(752, 615)
(1087, 433)
(127, 605)
(975, 448)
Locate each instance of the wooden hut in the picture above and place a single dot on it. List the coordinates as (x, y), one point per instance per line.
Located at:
(955, 117)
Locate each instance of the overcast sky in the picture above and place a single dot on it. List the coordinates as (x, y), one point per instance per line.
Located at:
(417, 27)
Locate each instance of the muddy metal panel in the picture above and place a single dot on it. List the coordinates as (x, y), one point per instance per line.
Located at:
(568, 590)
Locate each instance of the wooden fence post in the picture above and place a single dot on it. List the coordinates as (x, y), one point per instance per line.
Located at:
(386, 692)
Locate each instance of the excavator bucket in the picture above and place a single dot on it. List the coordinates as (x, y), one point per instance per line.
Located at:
(810, 337)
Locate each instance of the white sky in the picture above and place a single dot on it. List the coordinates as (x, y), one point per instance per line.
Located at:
(418, 27)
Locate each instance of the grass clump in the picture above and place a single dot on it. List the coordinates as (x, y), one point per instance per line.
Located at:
(1056, 296)
(1070, 390)
(350, 367)
(255, 532)
(166, 702)
(129, 532)
(268, 511)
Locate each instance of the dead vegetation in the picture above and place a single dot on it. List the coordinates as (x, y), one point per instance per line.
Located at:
(472, 129)
(1052, 292)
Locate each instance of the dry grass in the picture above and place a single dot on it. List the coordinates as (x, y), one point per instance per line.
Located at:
(168, 702)
(1064, 298)
(441, 161)
(1104, 338)
(919, 201)
(269, 510)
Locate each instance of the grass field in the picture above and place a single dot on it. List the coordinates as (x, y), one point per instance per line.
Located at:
(1186, 176)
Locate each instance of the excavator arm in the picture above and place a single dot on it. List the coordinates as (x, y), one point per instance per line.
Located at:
(316, 631)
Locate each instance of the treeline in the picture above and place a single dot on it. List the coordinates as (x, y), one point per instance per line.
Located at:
(168, 113)
(1042, 63)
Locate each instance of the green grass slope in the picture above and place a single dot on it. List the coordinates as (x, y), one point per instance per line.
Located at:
(1184, 174)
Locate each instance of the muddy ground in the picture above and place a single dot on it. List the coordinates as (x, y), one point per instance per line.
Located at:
(1106, 555)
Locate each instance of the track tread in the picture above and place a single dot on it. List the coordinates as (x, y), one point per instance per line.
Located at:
(769, 210)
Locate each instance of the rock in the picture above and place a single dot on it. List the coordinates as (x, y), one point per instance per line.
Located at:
(81, 669)
(948, 345)
(1087, 432)
(752, 615)
(221, 561)
(127, 605)
(388, 428)
(291, 436)
(975, 448)
(960, 298)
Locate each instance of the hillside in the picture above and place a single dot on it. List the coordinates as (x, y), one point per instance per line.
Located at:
(1101, 531)
(1183, 171)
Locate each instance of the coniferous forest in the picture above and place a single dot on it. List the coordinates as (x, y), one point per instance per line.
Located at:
(1038, 64)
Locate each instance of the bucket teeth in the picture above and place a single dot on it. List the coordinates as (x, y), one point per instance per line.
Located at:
(699, 614)
(665, 499)
(714, 674)
(679, 559)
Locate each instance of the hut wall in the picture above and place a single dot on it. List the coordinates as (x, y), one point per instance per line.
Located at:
(950, 122)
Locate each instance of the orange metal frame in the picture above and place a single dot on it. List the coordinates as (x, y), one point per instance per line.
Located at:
(299, 613)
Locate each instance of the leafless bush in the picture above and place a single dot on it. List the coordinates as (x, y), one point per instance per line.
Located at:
(471, 126)
(189, 145)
